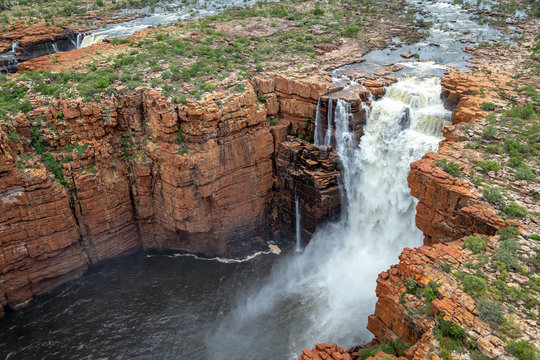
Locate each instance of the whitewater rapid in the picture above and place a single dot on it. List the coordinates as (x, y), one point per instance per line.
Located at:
(326, 293)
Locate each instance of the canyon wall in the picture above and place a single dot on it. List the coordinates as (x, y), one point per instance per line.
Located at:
(81, 183)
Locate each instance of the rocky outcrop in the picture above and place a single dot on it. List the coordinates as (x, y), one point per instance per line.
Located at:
(325, 351)
(311, 173)
(446, 210)
(465, 92)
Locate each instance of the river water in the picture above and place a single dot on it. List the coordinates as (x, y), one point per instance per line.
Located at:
(175, 307)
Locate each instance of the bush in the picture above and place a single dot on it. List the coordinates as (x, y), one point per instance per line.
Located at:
(449, 329)
(350, 31)
(474, 285)
(523, 350)
(411, 285)
(50, 162)
(475, 244)
(431, 290)
(508, 247)
(448, 167)
(488, 166)
(509, 232)
(318, 11)
(490, 311)
(489, 132)
(514, 210)
(492, 195)
(397, 347)
(524, 173)
(489, 106)
(522, 112)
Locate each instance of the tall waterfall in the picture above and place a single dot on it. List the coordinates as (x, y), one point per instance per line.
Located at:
(327, 293)
(318, 137)
(297, 223)
(328, 135)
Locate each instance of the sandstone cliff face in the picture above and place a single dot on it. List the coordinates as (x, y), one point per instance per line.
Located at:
(447, 210)
(141, 173)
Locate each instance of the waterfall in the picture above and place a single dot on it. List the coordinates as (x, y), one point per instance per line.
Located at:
(91, 40)
(318, 133)
(55, 47)
(327, 292)
(328, 136)
(297, 223)
(366, 109)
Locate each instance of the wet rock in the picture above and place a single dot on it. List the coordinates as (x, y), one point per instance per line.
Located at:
(405, 120)
(407, 55)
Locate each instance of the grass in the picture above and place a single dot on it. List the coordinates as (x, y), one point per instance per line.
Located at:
(168, 59)
(449, 167)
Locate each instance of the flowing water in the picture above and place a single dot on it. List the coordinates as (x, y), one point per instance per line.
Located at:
(167, 14)
(298, 219)
(327, 292)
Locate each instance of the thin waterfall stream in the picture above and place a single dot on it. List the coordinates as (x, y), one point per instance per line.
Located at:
(297, 224)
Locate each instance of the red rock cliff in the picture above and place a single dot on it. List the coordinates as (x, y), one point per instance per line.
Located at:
(84, 182)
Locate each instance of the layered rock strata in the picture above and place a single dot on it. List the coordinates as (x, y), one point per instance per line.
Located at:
(85, 182)
(310, 173)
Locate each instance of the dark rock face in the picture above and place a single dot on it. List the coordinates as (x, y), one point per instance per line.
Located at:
(312, 174)
(405, 119)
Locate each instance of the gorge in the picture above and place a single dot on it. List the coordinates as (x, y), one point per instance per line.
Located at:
(205, 179)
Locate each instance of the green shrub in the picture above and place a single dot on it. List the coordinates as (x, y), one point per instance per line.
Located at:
(522, 112)
(524, 173)
(490, 311)
(318, 11)
(522, 349)
(411, 285)
(509, 232)
(475, 244)
(397, 348)
(50, 162)
(514, 210)
(449, 329)
(350, 31)
(488, 166)
(489, 106)
(474, 286)
(449, 167)
(430, 292)
(492, 195)
(489, 132)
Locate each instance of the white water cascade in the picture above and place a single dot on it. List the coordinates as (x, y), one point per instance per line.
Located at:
(327, 292)
(297, 223)
(328, 135)
(318, 137)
